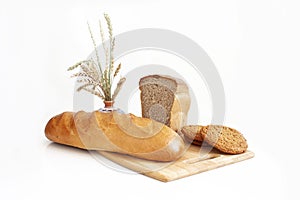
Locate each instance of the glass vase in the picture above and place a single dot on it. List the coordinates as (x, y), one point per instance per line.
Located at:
(109, 107)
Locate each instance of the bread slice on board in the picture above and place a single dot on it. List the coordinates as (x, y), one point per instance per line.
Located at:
(192, 132)
(225, 139)
(165, 99)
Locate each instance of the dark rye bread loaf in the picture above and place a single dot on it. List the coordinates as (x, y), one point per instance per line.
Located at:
(165, 99)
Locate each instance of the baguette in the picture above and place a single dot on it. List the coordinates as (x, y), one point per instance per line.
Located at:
(115, 132)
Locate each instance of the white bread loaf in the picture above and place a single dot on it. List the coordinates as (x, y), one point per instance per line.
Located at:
(115, 132)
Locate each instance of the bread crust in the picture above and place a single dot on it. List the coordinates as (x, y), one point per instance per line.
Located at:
(192, 133)
(181, 103)
(225, 139)
(115, 132)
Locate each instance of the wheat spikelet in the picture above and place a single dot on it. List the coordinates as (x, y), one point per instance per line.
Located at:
(103, 44)
(88, 69)
(112, 47)
(95, 48)
(94, 92)
(105, 83)
(85, 69)
(111, 58)
(82, 74)
(109, 26)
(105, 74)
(111, 39)
(94, 69)
(76, 65)
(93, 72)
(88, 80)
(84, 80)
(118, 88)
(113, 43)
(83, 86)
(117, 70)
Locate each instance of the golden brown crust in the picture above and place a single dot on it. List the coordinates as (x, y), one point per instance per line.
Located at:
(225, 139)
(128, 134)
(132, 143)
(61, 129)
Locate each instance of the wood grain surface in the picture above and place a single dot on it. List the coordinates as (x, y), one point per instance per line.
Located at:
(195, 160)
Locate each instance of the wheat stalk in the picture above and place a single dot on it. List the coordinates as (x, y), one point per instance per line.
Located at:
(111, 57)
(93, 78)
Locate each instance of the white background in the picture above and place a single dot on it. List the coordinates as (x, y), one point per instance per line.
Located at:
(254, 44)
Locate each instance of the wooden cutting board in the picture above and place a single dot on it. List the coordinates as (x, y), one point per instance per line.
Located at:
(193, 161)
